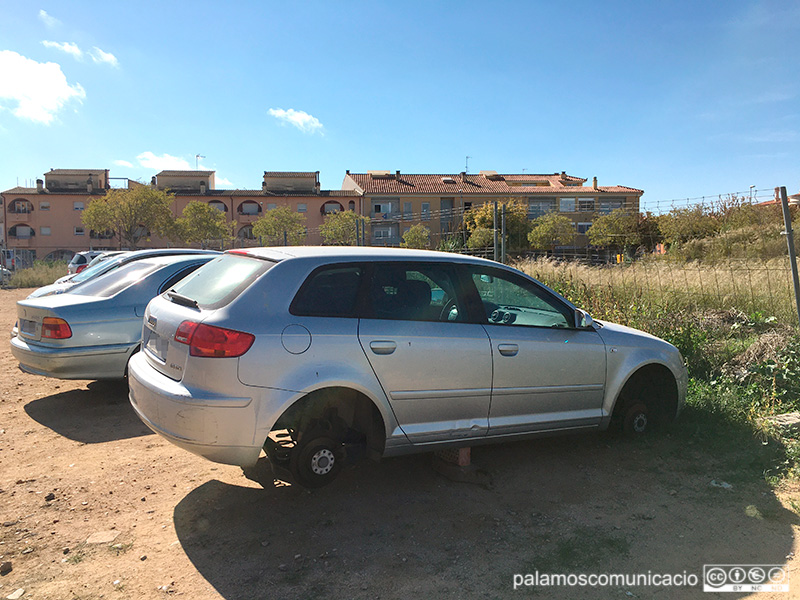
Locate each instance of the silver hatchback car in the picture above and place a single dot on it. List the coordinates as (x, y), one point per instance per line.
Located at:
(318, 355)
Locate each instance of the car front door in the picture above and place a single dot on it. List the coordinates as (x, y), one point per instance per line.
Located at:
(548, 374)
(434, 365)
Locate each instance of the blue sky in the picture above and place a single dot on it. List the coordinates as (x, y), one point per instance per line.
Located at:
(681, 99)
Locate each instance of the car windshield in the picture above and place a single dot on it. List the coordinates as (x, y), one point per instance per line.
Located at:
(96, 269)
(116, 281)
(220, 281)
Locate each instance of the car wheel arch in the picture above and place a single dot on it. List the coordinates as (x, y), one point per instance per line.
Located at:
(653, 384)
(355, 407)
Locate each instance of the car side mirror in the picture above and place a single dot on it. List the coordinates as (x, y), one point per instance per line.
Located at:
(583, 319)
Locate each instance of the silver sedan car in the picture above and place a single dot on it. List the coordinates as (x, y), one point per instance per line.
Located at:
(104, 265)
(318, 355)
(93, 331)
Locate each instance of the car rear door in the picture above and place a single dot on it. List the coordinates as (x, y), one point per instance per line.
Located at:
(434, 366)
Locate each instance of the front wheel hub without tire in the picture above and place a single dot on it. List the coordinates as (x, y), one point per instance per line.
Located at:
(322, 462)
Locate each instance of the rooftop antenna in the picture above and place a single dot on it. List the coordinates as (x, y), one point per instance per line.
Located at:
(197, 158)
(466, 166)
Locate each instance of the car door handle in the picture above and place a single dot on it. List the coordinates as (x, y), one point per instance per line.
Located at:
(382, 347)
(508, 349)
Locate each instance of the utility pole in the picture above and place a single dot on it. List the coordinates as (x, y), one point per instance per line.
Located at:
(466, 166)
(494, 230)
(503, 235)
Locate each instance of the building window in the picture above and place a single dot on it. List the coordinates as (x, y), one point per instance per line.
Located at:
(302, 207)
(383, 233)
(351, 205)
(20, 207)
(586, 205)
(44, 205)
(331, 207)
(249, 208)
(582, 227)
(426, 211)
(566, 205)
(407, 210)
(78, 231)
(271, 206)
(220, 206)
(21, 232)
(44, 231)
(246, 233)
(610, 205)
(77, 205)
(540, 206)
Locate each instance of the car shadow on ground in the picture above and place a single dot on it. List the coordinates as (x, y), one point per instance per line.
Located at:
(589, 504)
(99, 413)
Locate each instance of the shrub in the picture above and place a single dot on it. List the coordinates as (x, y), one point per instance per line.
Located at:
(41, 273)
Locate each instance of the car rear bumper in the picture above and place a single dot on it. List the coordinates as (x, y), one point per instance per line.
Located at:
(87, 362)
(219, 428)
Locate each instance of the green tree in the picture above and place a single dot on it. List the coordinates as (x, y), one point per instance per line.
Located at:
(480, 238)
(617, 230)
(683, 224)
(200, 223)
(281, 226)
(418, 236)
(550, 230)
(339, 229)
(517, 223)
(131, 214)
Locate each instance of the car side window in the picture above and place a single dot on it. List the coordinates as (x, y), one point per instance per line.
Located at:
(414, 292)
(329, 292)
(511, 300)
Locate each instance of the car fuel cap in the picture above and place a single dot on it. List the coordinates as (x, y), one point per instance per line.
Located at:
(296, 339)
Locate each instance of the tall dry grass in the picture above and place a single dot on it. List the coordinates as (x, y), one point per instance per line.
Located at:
(759, 289)
(41, 273)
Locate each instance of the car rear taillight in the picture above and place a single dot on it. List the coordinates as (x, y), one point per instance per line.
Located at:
(213, 342)
(55, 329)
(80, 268)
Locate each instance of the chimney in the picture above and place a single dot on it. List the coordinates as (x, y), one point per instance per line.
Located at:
(397, 174)
(347, 172)
(594, 183)
(89, 185)
(39, 186)
(463, 175)
(264, 186)
(153, 181)
(563, 174)
(202, 187)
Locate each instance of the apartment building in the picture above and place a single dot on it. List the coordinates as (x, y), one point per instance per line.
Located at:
(45, 222)
(396, 200)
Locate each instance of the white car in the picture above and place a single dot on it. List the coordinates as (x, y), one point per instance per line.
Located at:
(317, 355)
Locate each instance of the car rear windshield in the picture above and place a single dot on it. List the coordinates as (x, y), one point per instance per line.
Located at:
(218, 282)
(117, 280)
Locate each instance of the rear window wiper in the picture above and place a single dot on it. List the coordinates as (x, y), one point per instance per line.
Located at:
(181, 299)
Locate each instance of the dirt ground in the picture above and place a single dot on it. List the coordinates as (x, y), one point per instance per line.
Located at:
(93, 505)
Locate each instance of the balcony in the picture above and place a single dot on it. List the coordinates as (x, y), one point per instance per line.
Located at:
(18, 217)
(247, 218)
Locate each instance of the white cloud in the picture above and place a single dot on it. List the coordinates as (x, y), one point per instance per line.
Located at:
(123, 163)
(222, 182)
(49, 21)
(67, 47)
(36, 91)
(298, 118)
(99, 56)
(165, 162)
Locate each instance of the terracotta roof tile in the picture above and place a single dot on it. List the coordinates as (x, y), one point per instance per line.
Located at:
(480, 184)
